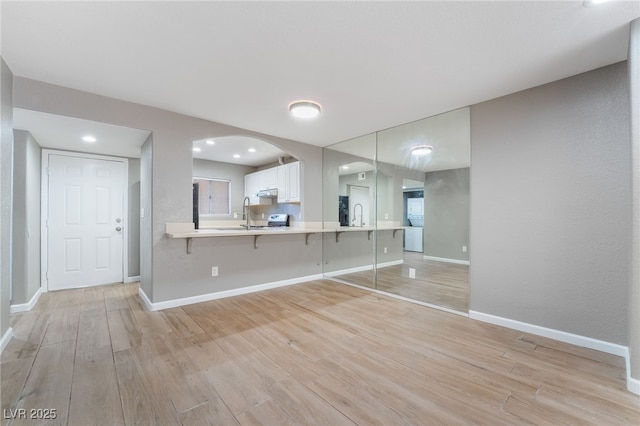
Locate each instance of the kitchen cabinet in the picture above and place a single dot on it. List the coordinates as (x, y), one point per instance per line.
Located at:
(289, 183)
(268, 179)
(253, 183)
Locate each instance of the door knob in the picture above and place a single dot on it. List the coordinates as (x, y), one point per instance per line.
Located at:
(118, 220)
(118, 228)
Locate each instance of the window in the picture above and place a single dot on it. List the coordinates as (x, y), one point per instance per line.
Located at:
(213, 196)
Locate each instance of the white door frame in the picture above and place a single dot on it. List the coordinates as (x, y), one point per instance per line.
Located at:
(44, 211)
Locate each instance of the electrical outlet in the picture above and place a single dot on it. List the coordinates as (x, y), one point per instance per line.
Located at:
(386, 215)
(235, 215)
(263, 215)
(385, 250)
(464, 249)
(412, 273)
(214, 271)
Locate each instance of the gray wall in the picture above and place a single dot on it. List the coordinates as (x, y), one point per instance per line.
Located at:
(446, 214)
(26, 217)
(6, 155)
(550, 197)
(634, 291)
(134, 218)
(169, 163)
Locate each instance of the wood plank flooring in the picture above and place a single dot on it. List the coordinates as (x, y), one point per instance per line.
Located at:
(438, 283)
(314, 353)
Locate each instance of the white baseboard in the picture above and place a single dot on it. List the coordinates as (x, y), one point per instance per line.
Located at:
(633, 385)
(444, 259)
(363, 268)
(130, 280)
(6, 339)
(25, 307)
(223, 294)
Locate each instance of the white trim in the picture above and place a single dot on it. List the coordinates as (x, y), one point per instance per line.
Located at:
(563, 336)
(6, 339)
(396, 296)
(25, 307)
(133, 279)
(633, 385)
(363, 268)
(444, 259)
(44, 210)
(222, 294)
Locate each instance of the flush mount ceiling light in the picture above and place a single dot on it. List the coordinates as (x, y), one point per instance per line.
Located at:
(591, 3)
(420, 150)
(251, 150)
(89, 139)
(304, 109)
(196, 149)
(210, 142)
(236, 155)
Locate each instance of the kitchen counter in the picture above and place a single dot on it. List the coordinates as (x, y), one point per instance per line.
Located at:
(186, 231)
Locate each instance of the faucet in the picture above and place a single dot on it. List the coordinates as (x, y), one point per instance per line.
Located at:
(361, 212)
(246, 211)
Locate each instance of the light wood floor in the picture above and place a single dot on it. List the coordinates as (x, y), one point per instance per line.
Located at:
(314, 353)
(438, 283)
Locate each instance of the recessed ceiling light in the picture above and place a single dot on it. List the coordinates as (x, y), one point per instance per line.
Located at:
(236, 155)
(251, 150)
(420, 150)
(89, 139)
(211, 142)
(345, 167)
(196, 149)
(304, 109)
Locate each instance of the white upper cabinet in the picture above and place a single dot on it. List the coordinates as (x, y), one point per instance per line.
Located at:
(268, 178)
(289, 183)
(255, 182)
(285, 178)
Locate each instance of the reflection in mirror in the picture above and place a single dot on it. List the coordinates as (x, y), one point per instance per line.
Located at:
(421, 216)
(224, 173)
(348, 200)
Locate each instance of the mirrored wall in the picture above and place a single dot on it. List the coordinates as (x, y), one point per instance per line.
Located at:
(398, 201)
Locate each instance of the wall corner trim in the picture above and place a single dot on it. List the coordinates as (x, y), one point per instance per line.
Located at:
(633, 385)
(222, 294)
(25, 307)
(6, 339)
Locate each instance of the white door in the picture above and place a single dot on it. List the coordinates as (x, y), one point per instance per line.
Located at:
(359, 205)
(85, 222)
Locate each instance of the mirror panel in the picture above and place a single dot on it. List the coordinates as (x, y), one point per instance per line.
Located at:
(420, 204)
(349, 186)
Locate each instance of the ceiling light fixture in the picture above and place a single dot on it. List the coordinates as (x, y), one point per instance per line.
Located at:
(304, 109)
(210, 142)
(591, 3)
(251, 150)
(196, 149)
(236, 155)
(89, 139)
(420, 150)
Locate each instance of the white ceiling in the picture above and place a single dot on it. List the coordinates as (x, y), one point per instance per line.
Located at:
(372, 65)
(65, 133)
(226, 148)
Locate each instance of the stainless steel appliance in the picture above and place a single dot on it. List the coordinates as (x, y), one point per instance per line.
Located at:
(278, 219)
